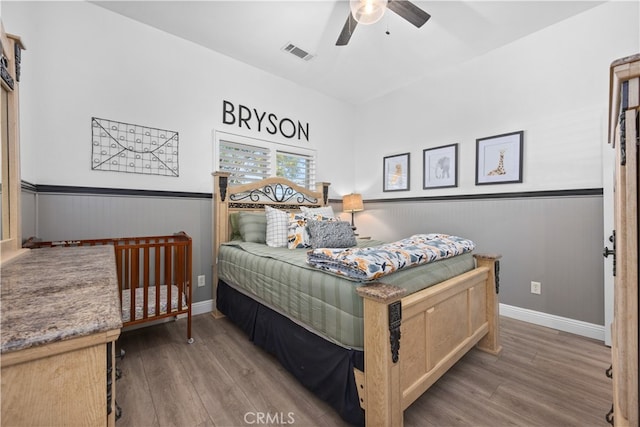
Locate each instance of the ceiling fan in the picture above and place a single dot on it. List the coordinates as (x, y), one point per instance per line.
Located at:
(370, 11)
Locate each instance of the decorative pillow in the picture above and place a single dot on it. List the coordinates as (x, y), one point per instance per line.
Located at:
(235, 228)
(277, 227)
(298, 235)
(331, 234)
(325, 211)
(253, 227)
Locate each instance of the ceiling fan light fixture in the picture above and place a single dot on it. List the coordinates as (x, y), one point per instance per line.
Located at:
(367, 11)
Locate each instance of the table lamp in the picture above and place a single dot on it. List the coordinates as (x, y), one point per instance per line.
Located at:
(352, 203)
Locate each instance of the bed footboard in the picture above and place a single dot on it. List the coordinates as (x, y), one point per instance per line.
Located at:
(411, 341)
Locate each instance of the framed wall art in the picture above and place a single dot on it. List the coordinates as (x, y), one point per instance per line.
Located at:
(440, 167)
(125, 147)
(499, 159)
(396, 173)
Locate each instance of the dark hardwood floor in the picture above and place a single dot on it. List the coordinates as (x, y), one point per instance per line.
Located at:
(543, 377)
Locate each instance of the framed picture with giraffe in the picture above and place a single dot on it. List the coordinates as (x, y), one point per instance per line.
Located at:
(440, 167)
(499, 159)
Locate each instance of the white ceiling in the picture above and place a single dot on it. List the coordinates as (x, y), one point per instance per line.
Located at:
(373, 63)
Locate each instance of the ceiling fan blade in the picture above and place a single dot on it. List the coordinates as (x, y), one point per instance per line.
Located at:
(347, 31)
(409, 11)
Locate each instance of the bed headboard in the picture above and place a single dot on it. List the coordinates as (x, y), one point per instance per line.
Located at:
(276, 192)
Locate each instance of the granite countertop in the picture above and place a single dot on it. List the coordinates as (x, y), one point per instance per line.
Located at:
(55, 294)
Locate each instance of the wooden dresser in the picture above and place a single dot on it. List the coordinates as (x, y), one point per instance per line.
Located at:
(60, 319)
(623, 137)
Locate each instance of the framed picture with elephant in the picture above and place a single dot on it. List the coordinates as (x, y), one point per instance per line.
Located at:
(440, 167)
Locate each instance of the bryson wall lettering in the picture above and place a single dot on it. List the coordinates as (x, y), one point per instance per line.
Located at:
(243, 116)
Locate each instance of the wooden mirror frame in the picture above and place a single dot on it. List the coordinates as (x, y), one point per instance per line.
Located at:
(11, 242)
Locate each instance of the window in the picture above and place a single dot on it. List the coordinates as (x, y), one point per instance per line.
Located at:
(298, 168)
(249, 160)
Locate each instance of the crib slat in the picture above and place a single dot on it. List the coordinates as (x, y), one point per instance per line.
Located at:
(119, 270)
(168, 276)
(180, 274)
(126, 269)
(134, 273)
(145, 282)
(156, 277)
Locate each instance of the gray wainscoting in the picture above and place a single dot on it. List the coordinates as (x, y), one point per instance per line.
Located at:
(67, 216)
(556, 241)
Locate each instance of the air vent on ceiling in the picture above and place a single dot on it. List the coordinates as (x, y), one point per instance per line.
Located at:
(295, 50)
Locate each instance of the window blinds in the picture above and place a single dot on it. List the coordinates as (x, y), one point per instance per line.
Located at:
(245, 163)
(250, 163)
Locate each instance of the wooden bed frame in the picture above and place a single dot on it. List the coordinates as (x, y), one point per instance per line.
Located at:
(409, 340)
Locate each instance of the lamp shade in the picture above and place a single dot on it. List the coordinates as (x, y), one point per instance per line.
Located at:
(352, 203)
(367, 11)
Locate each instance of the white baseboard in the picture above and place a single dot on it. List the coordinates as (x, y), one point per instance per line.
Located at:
(202, 307)
(564, 324)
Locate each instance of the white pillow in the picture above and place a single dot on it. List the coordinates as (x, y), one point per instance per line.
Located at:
(325, 211)
(277, 227)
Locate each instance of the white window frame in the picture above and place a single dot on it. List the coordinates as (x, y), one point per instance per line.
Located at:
(274, 149)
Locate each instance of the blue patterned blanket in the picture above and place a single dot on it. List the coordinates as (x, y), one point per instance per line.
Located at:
(370, 263)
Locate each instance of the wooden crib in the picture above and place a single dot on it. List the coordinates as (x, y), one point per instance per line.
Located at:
(154, 275)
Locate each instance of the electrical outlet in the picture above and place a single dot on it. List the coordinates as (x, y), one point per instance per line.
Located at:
(536, 288)
(201, 281)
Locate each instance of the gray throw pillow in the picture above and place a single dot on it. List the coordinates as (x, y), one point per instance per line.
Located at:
(331, 234)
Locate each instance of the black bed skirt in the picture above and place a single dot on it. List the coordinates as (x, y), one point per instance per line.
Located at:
(321, 366)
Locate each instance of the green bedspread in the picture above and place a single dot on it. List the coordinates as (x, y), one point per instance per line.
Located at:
(324, 303)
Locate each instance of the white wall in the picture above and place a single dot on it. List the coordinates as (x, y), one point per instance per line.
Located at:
(83, 61)
(552, 84)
